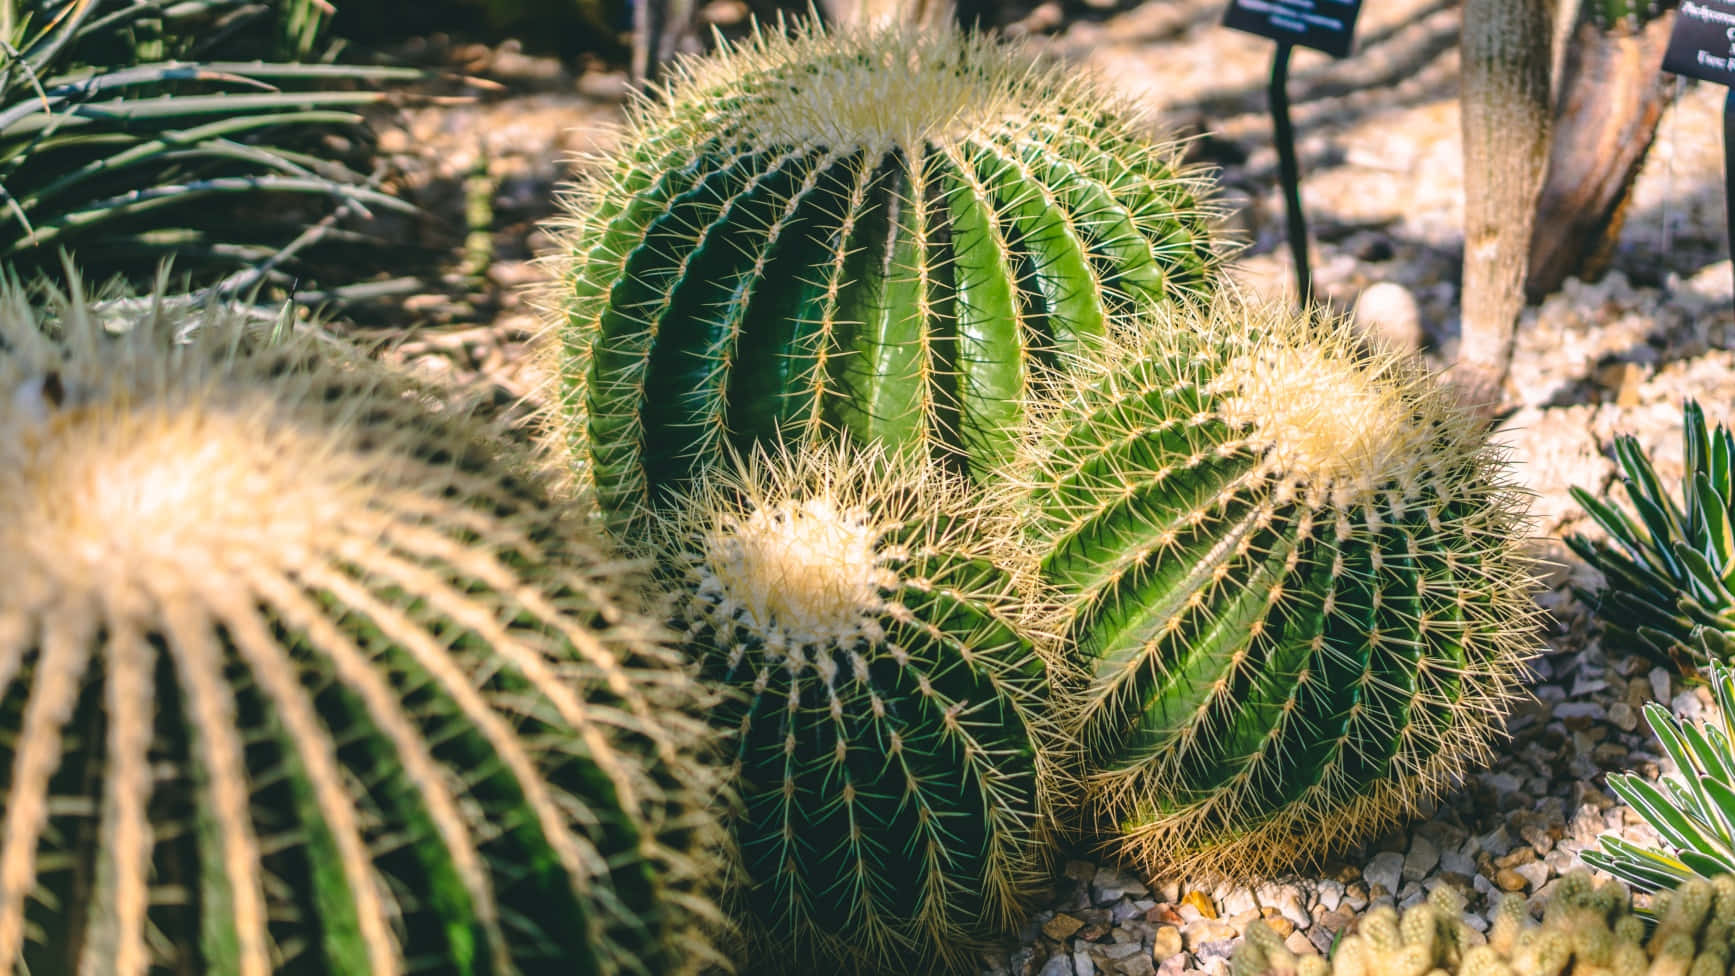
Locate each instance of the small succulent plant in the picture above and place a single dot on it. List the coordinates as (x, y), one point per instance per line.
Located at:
(1670, 572)
(1692, 810)
(1587, 929)
(889, 744)
(297, 675)
(1292, 568)
(889, 232)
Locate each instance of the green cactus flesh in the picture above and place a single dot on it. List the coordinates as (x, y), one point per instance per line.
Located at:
(1625, 14)
(886, 758)
(1587, 929)
(890, 233)
(297, 676)
(1293, 569)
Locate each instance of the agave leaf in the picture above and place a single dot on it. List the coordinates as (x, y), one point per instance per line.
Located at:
(1646, 870)
(1718, 541)
(1675, 827)
(1612, 520)
(1702, 576)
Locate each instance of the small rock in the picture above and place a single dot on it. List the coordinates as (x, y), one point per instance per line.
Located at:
(1166, 943)
(1421, 859)
(1206, 931)
(1384, 870)
(1330, 893)
(1061, 927)
(1387, 311)
(1509, 880)
(1200, 902)
(1059, 965)
(1623, 716)
(1535, 873)
(1082, 964)
(1236, 901)
(1659, 678)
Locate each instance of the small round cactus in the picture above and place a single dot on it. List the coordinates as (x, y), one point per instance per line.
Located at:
(1293, 570)
(297, 675)
(889, 232)
(888, 750)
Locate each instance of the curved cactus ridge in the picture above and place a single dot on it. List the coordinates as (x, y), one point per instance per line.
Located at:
(886, 231)
(889, 742)
(298, 675)
(1294, 571)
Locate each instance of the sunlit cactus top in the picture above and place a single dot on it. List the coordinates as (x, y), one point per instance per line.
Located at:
(298, 675)
(888, 232)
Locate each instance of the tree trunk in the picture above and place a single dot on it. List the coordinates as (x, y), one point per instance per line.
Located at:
(1613, 94)
(927, 14)
(1507, 47)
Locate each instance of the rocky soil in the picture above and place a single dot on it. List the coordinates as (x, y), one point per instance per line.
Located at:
(1378, 136)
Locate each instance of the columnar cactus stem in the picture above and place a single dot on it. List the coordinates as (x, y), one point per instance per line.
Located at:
(890, 722)
(890, 232)
(1507, 116)
(299, 676)
(1293, 570)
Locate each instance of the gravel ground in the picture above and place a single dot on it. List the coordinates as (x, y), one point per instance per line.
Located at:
(1378, 137)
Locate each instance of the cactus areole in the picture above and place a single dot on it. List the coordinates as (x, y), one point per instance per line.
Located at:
(1294, 571)
(887, 232)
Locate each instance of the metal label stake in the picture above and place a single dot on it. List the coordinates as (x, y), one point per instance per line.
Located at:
(1702, 45)
(1325, 25)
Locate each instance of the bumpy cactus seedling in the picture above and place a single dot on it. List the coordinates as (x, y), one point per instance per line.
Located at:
(1587, 929)
(888, 232)
(1670, 572)
(298, 676)
(889, 746)
(1294, 571)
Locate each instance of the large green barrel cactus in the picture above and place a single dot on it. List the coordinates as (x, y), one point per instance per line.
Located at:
(888, 232)
(296, 676)
(1294, 571)
(888, 749)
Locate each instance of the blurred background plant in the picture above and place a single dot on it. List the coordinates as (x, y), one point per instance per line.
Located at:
(132, 131)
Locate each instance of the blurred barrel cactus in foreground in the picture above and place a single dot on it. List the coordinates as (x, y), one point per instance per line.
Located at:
(888, 232)
(1294, 570)
(890, 714)
(297, 676)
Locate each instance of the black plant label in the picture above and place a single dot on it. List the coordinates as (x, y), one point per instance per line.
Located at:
(1703, 42)
(1324, 25)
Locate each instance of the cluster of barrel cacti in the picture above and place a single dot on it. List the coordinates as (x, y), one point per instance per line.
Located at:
(908, 362)
(977, 513)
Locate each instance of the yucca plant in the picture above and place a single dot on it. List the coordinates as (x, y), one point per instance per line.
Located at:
(124, 140)
(1692, 810)
(1293, 570)
(889, 708)
(1671, 572)
(890, 232)
(298, 675)
(1587, 929)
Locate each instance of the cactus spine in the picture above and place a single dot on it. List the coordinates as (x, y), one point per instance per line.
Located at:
(1587, 929)
(1293, 572)
(297, 676)
(888, 232)
(888, 741)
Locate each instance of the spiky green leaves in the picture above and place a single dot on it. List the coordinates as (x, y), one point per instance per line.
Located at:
(887, 749)
(1671, 571)
(1293, 569)
(1693, 810)
(297, 676)
(889, 233)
